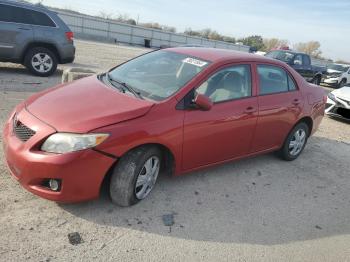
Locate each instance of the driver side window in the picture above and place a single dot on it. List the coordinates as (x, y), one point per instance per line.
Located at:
(230, 83)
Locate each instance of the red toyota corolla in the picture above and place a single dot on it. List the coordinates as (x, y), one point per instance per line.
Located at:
(178, 110)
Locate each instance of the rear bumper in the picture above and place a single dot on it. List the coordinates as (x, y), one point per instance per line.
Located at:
(67, 53)
(81, 172)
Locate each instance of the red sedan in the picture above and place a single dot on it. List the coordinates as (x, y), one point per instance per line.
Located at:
(178, 109)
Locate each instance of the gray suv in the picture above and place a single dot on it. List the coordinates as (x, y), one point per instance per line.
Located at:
(34, 36)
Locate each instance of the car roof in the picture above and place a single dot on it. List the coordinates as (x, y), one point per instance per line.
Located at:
(222, 55)
(18, 3)
(341, 64)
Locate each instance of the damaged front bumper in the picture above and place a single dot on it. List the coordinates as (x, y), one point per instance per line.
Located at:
(338, 107)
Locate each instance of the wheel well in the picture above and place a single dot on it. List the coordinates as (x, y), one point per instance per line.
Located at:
(168, 165)
(51, 47)
(307, 120)
(318, 75)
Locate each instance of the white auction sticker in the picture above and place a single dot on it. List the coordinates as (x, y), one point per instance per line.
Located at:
(196, 62)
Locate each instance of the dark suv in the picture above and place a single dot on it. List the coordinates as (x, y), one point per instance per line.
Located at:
(34, 36)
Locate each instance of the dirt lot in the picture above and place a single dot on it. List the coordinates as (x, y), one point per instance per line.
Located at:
(259, 209)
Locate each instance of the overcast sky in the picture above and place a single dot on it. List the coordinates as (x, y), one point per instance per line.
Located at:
(327, 21)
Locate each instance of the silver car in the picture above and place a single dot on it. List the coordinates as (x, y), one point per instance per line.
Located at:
(338, 103)
(34, 36)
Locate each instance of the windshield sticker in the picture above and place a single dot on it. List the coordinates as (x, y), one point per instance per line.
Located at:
(195, 62)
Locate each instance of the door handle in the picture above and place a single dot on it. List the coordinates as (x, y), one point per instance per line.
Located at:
(296, 102)
(250, 110)
(23, 28)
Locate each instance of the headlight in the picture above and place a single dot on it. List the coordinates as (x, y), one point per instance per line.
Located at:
(66, 142)
(332, 97)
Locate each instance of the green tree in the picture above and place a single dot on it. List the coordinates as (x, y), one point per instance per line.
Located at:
(254, 41)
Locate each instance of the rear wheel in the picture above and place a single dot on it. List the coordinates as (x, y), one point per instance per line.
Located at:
(135, 175)
(40, 61)
(295, 142)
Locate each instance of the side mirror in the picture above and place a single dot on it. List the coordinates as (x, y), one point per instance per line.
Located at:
(203, 102)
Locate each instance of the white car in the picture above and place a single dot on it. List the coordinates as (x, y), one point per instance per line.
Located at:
(337, 75)
(338, 103)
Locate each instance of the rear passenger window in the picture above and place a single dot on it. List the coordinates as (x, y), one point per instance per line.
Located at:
(20, 15)
(38, 18)
(273, 79)
(291, 84)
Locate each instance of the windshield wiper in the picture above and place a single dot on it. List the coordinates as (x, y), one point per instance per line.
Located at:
(124, 86)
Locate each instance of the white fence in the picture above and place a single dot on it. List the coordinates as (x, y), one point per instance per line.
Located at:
(102, 29)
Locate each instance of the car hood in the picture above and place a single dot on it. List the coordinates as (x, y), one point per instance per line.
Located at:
(332, 71)
(343, 92)
(84, 105)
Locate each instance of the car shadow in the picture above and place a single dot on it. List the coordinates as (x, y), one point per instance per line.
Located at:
(261, 200)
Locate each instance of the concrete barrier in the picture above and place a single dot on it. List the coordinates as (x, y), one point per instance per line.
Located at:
(75, 73)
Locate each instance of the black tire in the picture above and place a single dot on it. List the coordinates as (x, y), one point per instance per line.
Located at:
(285, 152)
(123, 180)
(317, 80)
(40, 50)
(342, 83)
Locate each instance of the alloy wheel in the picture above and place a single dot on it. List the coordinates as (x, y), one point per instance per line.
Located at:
(42, 62)
(297, 142)
(147, 177)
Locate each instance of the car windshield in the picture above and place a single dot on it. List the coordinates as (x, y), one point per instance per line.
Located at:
(158, 75)
(281, 55)
(341, 68)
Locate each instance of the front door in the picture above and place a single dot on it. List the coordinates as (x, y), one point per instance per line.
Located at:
(225, 131)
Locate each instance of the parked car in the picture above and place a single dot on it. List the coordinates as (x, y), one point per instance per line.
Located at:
(301, 63)
(337, 75)
(338, 103)
(177, 110)
(35, 37)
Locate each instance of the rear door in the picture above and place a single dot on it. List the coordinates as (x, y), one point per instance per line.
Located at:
(280, 105)
(15, 31)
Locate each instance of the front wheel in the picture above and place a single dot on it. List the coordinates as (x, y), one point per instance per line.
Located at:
(342, 83)
(295, 142)
(135, 175)
(317, 80)
(40, 61)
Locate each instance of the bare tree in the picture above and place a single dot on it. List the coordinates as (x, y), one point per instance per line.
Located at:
(273, 43)
(106, 15)
(311, 48)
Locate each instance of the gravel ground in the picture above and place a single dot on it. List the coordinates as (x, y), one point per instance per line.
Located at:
(258, 209)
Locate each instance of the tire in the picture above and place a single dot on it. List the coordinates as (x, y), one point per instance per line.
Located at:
(317, 80)
(35, 59)
(130, 169)
(286, 152)
(342, 83)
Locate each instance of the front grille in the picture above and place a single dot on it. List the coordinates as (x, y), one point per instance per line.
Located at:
(21, 131)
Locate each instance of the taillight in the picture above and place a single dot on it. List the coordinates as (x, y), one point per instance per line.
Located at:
(70, 36)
